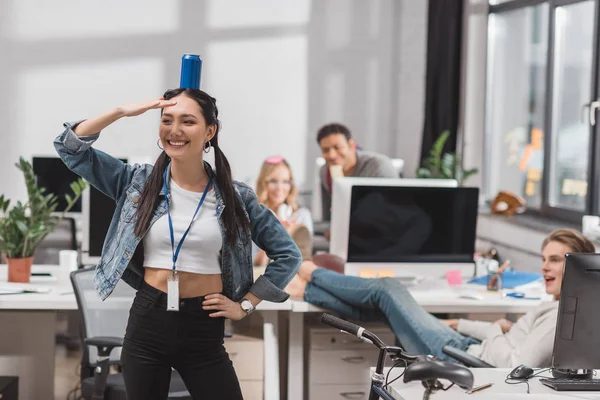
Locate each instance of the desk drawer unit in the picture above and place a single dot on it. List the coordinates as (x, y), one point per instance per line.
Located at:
(339, 392)
(341, 367)
(246, 354)
(339, 363)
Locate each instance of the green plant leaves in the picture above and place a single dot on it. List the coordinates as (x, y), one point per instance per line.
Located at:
(440, 165)
(24, 226)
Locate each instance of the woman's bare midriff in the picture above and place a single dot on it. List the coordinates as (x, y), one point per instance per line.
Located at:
(190, 284)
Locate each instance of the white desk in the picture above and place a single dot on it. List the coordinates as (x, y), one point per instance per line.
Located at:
(28, 326)
(499, 391)
(434, 295)
(28, 323)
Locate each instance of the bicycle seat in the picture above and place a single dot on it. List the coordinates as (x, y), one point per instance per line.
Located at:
(428, 370)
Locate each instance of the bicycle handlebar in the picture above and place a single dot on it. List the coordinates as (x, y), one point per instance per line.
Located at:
(339, 323)
(352, 329)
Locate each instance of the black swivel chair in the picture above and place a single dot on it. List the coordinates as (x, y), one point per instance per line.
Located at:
(465, 358)
(104, 325)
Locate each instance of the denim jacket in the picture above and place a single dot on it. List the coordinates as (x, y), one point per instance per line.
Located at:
(122, 253)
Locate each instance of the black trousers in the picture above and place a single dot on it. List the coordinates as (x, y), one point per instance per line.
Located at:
(188, 340)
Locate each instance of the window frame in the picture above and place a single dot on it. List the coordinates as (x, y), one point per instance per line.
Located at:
(593, 188)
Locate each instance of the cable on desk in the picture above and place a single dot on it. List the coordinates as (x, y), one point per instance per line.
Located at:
(509, 380)
(524, 380)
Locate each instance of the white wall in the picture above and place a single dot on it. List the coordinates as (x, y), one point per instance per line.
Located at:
(410, 75)
(279, 71)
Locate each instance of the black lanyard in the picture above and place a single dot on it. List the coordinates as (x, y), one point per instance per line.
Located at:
(166, 189)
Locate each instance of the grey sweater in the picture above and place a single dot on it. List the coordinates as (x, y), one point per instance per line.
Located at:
(368, 165)
(529, 341)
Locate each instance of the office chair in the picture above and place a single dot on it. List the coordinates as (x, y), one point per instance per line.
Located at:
(104, 324)
(467, 359)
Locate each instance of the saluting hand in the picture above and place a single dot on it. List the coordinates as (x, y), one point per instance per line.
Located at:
(133, 109)
(225, 307)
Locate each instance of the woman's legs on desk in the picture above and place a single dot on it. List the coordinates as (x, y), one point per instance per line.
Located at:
(418, 331)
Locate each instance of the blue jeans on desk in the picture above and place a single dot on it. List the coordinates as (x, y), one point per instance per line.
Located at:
(384, 300)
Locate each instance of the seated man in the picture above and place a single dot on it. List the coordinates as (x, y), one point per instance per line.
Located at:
(528, 341)
(339, 151)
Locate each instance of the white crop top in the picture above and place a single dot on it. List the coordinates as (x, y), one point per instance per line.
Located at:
(199, 253)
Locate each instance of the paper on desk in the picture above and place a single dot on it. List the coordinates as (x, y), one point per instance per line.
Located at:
(10, 291)
(14, 288)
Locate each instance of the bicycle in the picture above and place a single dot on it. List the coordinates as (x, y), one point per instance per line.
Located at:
(422, 368)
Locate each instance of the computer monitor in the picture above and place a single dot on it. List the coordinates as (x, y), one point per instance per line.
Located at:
(577, 337)
(53, 174)
(413, 227)
(97, 214)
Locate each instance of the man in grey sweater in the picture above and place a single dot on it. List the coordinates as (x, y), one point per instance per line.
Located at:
(338, 148)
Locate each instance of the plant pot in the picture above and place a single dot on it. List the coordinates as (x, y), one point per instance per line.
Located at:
(19, 269)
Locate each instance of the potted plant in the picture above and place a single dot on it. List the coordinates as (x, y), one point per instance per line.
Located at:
(439, 165)
(25, 225)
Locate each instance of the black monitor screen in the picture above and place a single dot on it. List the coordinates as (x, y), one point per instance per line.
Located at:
(54, 175)
(412, 224)
(577, 338)
(102, 209)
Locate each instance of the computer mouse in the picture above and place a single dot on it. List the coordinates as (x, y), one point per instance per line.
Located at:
(521, 372)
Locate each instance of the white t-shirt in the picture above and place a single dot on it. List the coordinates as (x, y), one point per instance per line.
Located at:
(200, 251)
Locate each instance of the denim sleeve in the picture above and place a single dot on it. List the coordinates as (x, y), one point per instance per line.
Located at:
(106, 173)
(271, 236)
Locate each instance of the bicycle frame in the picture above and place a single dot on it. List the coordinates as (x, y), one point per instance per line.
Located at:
(378, 392)
(378, 378)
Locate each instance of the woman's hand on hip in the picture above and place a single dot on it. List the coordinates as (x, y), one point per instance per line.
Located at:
(133, 109)
(225, 307)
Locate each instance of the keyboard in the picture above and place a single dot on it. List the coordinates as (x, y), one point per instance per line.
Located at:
(565, 384)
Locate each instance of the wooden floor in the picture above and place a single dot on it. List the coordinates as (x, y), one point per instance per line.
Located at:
(66, 374)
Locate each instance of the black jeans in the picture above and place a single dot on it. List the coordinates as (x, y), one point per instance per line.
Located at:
(188, 340)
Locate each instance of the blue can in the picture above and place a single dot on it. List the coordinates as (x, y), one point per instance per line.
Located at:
(191, 69)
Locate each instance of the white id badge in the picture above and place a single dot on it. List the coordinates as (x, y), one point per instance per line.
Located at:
(173, 292)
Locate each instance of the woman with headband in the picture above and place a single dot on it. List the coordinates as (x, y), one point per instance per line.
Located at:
(276, 189)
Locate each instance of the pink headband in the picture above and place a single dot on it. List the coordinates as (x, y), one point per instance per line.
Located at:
(274, 160)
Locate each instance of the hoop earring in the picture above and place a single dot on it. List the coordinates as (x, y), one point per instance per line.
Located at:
(158, 144)
(207, 146)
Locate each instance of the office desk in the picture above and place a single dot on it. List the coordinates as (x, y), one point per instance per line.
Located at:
(433, 294)
(499, 391)
(27, 334)
(28, 327)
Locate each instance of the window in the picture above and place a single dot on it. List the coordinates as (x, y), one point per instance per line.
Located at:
(572, 83)
(540, 85)
(516, 93)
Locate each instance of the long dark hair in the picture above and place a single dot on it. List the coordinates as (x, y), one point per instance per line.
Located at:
(234, 215)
